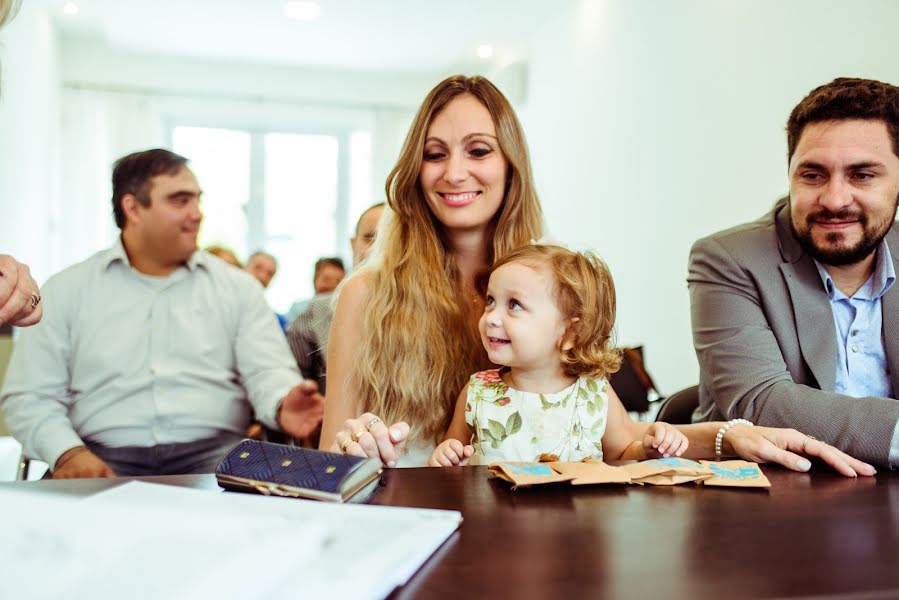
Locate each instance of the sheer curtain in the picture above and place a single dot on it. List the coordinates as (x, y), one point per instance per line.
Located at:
(98, 127)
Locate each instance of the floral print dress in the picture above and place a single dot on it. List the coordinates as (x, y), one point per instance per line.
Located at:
(509, 424)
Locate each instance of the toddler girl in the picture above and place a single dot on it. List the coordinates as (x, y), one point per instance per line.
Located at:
(548, 320)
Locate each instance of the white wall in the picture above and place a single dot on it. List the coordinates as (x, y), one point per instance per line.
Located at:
(29, 141)
(653, 123)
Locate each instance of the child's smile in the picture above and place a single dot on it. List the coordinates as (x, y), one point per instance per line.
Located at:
(497, 342)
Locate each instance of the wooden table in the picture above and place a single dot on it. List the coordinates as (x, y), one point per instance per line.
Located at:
(810, 535)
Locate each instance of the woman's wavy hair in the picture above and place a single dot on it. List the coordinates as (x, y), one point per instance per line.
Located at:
(419, 344)
(585, 295)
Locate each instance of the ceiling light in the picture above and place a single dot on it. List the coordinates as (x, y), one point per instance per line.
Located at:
(301, 10)
(485, 51)
(70, 8)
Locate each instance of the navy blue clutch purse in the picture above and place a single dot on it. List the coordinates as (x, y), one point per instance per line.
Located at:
(279, 470)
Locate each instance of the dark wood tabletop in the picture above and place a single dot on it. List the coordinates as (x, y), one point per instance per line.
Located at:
(814, 535)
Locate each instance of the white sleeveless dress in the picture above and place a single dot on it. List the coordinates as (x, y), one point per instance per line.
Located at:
(511, 425)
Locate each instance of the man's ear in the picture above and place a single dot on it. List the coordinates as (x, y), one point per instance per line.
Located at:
(130, 206)
(569, 335)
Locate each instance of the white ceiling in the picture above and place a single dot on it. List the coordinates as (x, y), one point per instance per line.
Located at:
(367, 35)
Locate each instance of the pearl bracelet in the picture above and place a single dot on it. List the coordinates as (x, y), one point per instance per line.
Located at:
(719, 438)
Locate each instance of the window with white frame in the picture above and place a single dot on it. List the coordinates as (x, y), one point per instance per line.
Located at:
(290, 194)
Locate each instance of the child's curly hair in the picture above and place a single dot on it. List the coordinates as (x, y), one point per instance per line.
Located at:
(585, 294)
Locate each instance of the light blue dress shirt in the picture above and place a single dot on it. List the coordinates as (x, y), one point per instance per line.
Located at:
(125, 359)
(862, 368)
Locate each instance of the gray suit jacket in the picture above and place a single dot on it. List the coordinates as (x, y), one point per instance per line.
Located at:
(766, 342)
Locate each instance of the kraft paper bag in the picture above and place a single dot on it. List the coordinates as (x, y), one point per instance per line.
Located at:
(667, 471)
(735, 473)
(521, 474)
(591, 471)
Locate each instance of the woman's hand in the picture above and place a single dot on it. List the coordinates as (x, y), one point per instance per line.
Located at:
(769, 444)
(367, 435)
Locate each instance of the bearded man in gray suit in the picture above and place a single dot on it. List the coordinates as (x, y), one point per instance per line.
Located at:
(796, 316)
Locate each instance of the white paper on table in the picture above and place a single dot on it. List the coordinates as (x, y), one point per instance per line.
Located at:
(143, 540)
(58, 547)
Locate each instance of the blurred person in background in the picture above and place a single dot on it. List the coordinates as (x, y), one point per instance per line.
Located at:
(308, 331)
(224, 253)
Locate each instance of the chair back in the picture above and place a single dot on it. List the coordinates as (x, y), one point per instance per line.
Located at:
(678, 408)
(632, 381)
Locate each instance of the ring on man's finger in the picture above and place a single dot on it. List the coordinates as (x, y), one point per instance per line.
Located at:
(358, 434)
(805, 441)
(343, 446)
(35, 300)
(374, 421)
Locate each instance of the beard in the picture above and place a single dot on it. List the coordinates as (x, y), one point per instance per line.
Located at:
(836, 251)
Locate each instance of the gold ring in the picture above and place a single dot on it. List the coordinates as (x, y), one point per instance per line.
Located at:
(344, 445)
(372, 422)
(35, 300)
(805, 441)
(359, 434)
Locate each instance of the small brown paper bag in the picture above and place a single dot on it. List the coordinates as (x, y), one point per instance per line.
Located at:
(735, 473)
(524, 474)
(667, 471)
(591, 471)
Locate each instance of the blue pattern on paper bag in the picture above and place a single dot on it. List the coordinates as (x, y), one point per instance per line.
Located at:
(674, 462)
(741, 473)
(528, 469)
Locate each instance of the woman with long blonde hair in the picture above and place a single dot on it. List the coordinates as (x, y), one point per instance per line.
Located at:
(404, 337)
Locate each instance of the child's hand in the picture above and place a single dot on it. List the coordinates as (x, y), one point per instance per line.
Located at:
(662, 440)
(449, 453)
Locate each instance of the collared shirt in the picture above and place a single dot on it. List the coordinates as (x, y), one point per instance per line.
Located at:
(125, 359)
(862, 368)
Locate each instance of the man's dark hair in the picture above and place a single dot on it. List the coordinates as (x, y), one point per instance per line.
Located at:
(333, 261)
(132, 174)
(846, 99)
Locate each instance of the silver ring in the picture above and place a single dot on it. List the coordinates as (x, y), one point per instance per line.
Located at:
(35, 300)
(372, 422)
(805, 441)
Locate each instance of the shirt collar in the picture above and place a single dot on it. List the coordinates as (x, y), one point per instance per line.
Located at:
(117, 253)
(878, 284)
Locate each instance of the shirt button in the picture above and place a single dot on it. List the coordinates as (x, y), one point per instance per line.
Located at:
(855, 348)
(854, 332)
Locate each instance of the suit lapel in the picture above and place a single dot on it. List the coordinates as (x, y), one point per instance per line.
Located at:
(814, 320)
(811, 308)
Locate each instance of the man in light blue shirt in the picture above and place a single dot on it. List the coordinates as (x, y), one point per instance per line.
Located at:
(152, 356)
(795, 315)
